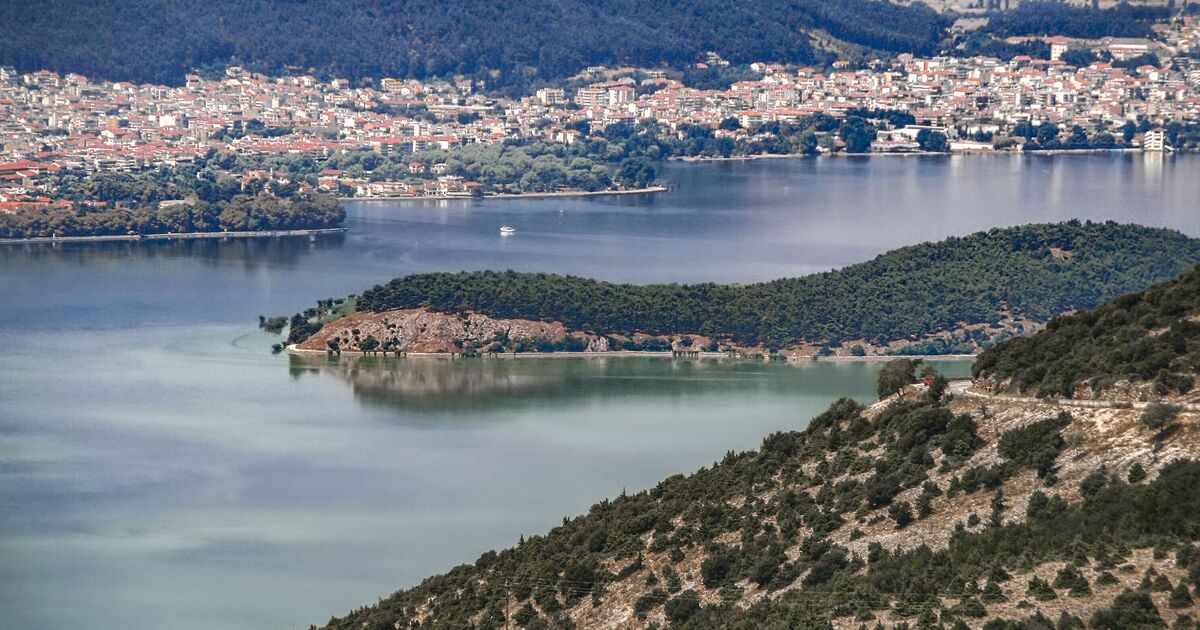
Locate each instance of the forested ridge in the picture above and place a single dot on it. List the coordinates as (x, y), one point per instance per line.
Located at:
(928, 511)
(1148, 336)
(509, 45)
(1037, 271)
(1060, 18)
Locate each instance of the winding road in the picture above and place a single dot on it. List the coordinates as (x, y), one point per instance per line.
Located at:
(962, 387)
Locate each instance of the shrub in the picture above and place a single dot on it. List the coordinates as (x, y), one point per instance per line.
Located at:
(924, 505)
(1106, 579)
(1166, 382)
(826, 566)
(1160, 584)
(961, 438)
(1035, 445)
(969, 607)
(1180, 597)
(525, 614)
(1044, 508)
(1157, 415)
(901, 512)
(648, 602)
(1041, 590)
(992, 593)
(998, 506)
(681, 607)
(1131, 609)
(1093, 483)
(718, 566)
(1069, 577)
(1136, 473)
(766, 565)
(674, 584)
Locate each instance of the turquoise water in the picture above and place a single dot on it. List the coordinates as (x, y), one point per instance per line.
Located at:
(160, 468)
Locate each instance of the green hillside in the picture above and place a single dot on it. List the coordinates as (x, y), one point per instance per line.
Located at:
(931, 511)
(509, 44)
(1038, 271)
(1151, 335)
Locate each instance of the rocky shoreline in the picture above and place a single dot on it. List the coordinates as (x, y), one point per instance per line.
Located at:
(421, 332)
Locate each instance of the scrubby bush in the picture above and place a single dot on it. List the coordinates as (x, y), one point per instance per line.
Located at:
(682, 607)
(719, 566)
(1040, 590)
(1181, 597)
(1136, 473)
(1131, 609)
(1157, 415)
(901, 512)
(1035, 445)
(1071, 578)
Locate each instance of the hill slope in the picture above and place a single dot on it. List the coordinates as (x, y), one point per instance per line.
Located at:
(523, 40)
(1151, 335)
(1031, 272)
(932, 509)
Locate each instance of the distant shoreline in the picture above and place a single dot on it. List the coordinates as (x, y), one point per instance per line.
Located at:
(892, 357)
(784, 156)
(530, 195)
(581, 193)
(790, 156)
(169, 236)
(620, 354)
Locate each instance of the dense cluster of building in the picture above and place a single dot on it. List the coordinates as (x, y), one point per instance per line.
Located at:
(50, 122)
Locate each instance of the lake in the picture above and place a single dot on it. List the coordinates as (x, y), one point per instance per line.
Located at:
(159, 467)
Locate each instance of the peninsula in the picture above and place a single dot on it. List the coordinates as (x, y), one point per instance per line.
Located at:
(951, 297)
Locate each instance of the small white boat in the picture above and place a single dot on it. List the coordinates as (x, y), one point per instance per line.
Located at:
(504, 229)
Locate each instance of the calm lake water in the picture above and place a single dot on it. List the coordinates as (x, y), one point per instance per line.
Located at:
(160, 468)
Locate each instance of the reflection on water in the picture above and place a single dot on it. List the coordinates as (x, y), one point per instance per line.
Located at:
(475, 385)
(417, 383)
(249, 253)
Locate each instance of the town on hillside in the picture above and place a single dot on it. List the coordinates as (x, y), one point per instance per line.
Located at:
(1121, 95)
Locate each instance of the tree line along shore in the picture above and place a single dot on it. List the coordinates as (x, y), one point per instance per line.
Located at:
(171, 201)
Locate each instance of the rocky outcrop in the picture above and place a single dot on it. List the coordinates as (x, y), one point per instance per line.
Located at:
(420, 330)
